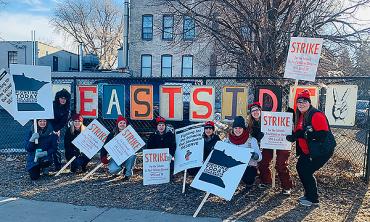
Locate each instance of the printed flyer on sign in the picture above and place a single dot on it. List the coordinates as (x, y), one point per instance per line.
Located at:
(92, 139)
(156, 166)
(124, 145)
(303, 58)
(222, 171)
(276, 126)
(189, 147)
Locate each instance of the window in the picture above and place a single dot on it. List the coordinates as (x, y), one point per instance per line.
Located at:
(147, 27)
(189, 28)
(146, 65)
(12, 57)
(166, 66)
(167, 27)
(187, 66)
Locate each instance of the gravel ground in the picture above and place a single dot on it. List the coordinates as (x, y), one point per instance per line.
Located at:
(343, 196)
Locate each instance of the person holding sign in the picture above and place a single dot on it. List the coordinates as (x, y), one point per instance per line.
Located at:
(39, 155)
(240, 136)
(113, 167)
(162, 138)
(210, 140)
(70, 150)
(282, 156)
(61, 106)
(311, 130)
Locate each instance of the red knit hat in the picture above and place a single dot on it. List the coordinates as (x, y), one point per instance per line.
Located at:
(121, 118)
(254, 104)
(77, 117)
(305, 94)
(209, 124)
(160, 119)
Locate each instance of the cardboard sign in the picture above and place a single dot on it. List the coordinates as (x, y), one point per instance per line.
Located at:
(276, 126)
(303, 58)
(141, 102)
(156, 167)
(314, 92)
(223, 170)
(58, 87)
(87, 101)
(340, 105)
(6, 84)
(113, 101)
(31, 92)
(202, 103)
(270, 98)
(171, 102)
(189, 147)
(234, 102)
(124, 145)
(92, 139)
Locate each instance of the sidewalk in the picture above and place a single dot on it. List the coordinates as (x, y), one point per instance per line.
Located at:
(22, 210)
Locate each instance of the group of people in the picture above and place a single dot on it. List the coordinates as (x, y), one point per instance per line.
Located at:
(310, 125)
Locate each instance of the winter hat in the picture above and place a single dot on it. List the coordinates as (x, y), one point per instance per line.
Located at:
(239, 122)
(121, 118)
(77, 117)
(254, 104)
(305, 94)
(160, 119)
(209, 125)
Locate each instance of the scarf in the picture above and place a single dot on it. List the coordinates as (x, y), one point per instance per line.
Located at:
(237, 140)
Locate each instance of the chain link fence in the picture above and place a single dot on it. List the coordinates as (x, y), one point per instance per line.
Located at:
(352, 141)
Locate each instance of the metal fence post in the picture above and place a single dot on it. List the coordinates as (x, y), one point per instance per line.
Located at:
(367, 166)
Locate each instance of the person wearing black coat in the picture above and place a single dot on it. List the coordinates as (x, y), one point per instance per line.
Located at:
(70, 150)
(39, 155)
(210, 140)
(163, 138)
(61, 106)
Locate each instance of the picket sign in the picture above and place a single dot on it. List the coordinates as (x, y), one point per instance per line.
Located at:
(65, 166)
(184, 182)
(201, 204)
(93, 171)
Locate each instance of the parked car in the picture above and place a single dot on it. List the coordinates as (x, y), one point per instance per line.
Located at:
(362, 109)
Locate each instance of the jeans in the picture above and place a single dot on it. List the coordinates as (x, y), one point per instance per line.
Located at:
(306, 167)
(114, 168)
(249, 175)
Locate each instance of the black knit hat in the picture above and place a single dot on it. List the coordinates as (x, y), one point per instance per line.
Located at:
(239, 122)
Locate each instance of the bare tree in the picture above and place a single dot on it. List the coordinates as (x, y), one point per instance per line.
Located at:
(97, 24)
(254, 35)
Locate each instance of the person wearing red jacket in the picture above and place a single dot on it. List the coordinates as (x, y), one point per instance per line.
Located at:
(282, 156)
(310, 125)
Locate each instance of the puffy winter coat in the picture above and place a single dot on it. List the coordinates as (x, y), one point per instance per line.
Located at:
(47, 142)
(61, 112)
(166, 140)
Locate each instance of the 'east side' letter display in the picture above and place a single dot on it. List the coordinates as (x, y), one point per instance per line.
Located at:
(202, 103)
(141, 102)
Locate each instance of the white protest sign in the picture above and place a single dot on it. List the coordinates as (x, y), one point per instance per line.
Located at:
(92, 139)
(156, 166)
(124, 145)
(276, 126)
(223, 170)
(189, 147)
(303, 58)
(6, 83)
(31, 93)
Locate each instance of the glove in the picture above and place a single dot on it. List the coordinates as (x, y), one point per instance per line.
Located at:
(291, 138)
(299, 134)
(254, 156)
(34, 137)
(39, 154)
(104, 160)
